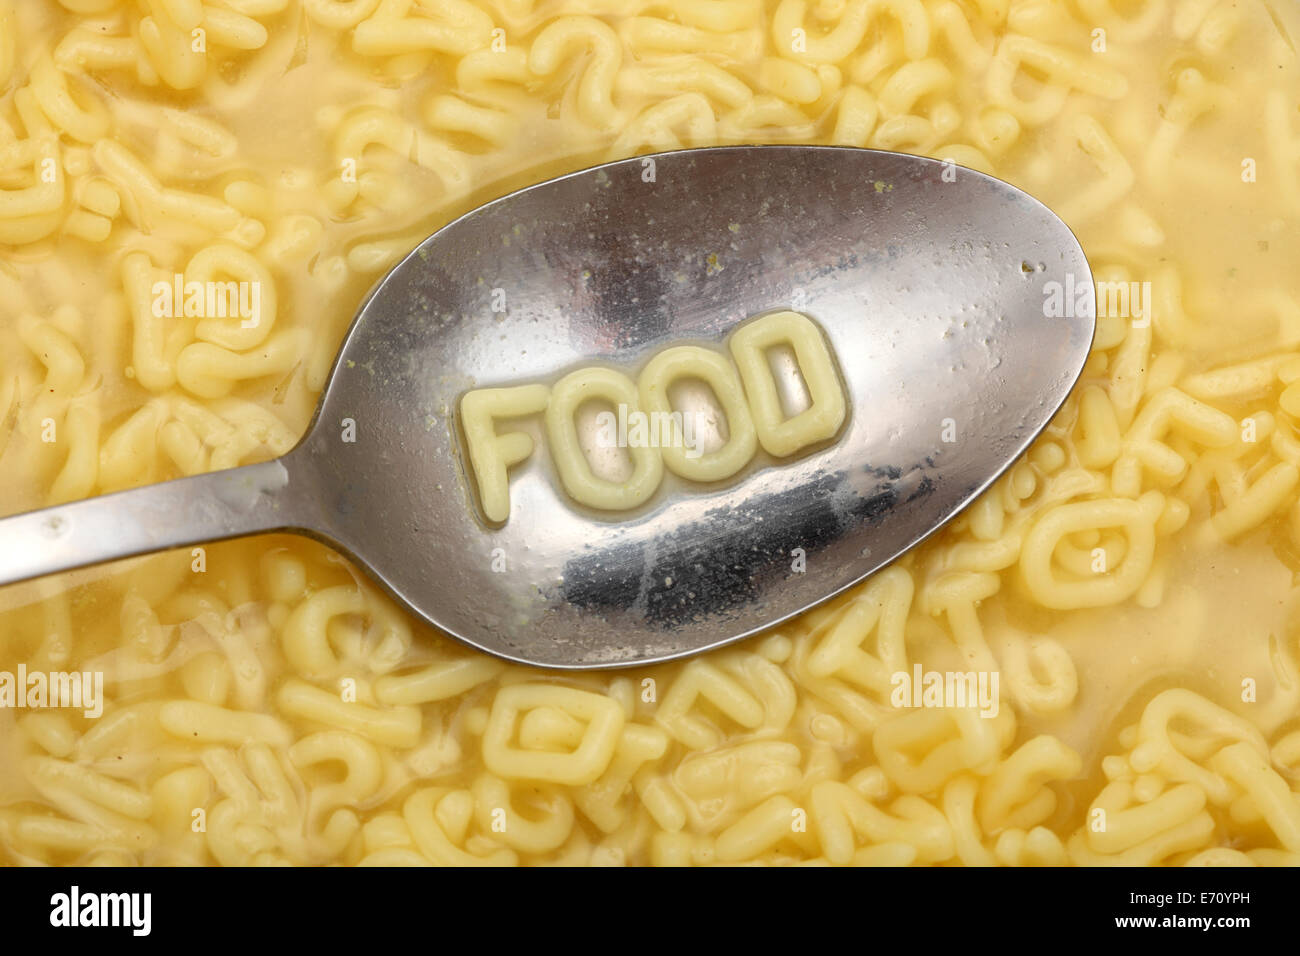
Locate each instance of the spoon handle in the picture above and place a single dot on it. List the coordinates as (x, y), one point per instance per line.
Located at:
(209, 507)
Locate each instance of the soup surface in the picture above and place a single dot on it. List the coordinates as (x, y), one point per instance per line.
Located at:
(1117, 611)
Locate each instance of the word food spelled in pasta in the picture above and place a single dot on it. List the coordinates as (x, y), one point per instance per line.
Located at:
(747, 393)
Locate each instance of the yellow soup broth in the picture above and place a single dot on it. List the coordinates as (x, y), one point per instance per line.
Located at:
(1130, 583)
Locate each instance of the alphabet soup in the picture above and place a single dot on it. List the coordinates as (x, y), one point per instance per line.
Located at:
(655, 435)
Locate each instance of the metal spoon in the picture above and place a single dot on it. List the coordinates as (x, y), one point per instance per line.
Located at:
(928, 281)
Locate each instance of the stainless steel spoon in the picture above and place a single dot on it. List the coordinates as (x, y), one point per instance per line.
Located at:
(928, 280)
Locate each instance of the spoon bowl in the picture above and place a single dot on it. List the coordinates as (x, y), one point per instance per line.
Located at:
(928, 282)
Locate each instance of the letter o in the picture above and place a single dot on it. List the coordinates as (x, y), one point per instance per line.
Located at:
(691, 361)
(562, 433)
